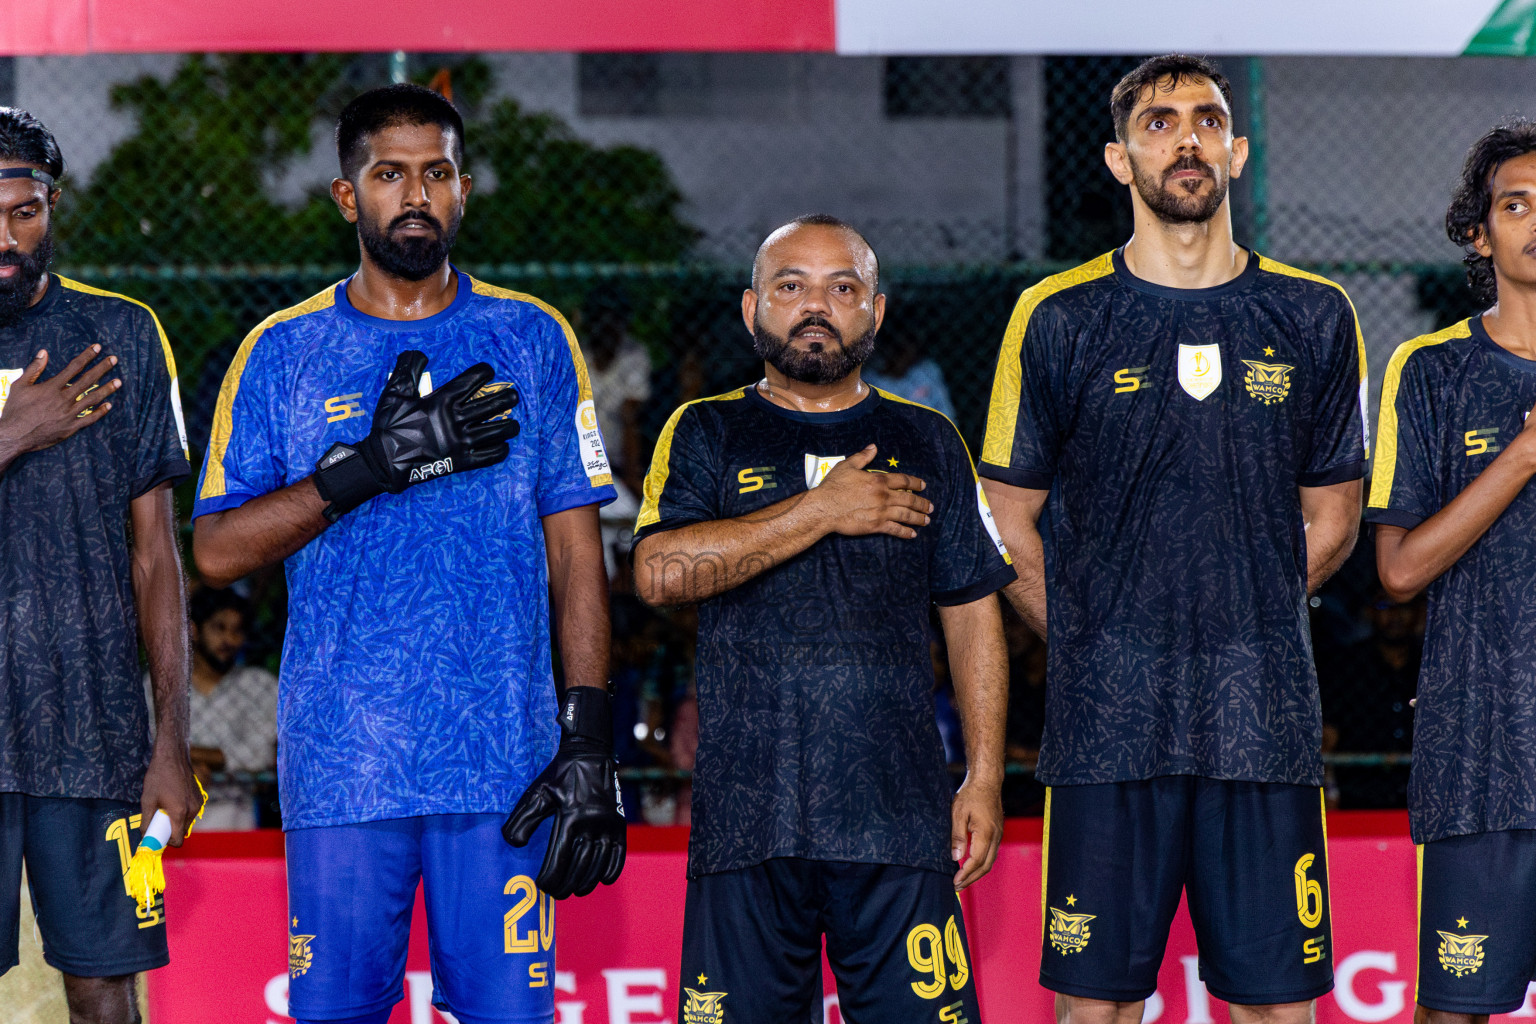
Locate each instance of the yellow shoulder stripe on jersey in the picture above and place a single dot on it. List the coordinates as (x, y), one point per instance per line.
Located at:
(661, 461)
(1386, 433)
(583, 381)
(1275, 267)
(1007, 385)
(224, 410)
(165, 343)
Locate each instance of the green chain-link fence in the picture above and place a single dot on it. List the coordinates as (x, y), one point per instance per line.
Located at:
(641, 183)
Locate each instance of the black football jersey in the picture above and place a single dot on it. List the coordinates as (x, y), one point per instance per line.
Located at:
(815, 679)
(73, 719)
(1450, 402)
(1173, 428)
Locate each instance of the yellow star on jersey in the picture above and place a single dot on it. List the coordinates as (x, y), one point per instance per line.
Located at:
(1071, 900)
(295, 922)
(893, 462)
(702, 980)
(1269, 351)
(1461, 922)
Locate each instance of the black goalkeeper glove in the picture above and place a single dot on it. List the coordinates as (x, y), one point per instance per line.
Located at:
(416, 437)
(580, 787)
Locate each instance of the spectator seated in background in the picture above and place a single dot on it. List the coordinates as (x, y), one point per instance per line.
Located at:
(906, 372)
(1366, 690)
(233, 722)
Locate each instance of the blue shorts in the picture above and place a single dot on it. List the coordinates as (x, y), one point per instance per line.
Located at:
(1477, 899)
(490, 931)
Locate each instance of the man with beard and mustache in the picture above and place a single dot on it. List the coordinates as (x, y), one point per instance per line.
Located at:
(426, 537)
(815, 520)
(91, 442)
(1191, 412)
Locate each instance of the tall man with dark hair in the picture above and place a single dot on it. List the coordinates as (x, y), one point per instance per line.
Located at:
(816, 520)
(82, 456)
(1187, 414)
(425, 537)
(1454, 512)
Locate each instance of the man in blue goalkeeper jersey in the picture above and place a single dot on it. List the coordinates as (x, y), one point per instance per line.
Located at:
(1455, 514)
(427, 525)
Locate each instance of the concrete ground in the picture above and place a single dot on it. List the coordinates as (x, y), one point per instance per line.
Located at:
(33, 993)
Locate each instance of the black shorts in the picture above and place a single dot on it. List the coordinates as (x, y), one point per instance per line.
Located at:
(895, 940)
(1477, 902)
(76, 852)
(1252, 855)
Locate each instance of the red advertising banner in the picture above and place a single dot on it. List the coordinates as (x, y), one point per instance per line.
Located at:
(39, 27)
(618, 949)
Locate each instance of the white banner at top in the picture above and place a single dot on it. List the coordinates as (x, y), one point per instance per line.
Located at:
(1367, 27)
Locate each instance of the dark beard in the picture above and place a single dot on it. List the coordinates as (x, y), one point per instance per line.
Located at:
(219, 665)
(410, 259)
(1174, 205)
(17, 293)
(823, 364)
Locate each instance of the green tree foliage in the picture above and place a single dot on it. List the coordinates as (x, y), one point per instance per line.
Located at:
(193, 185)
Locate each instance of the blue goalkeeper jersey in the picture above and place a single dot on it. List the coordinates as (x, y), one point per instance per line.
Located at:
(416, 667)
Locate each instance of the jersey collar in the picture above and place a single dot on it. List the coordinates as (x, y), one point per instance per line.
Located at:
(460, 301)
(864, 406)
(1499, 352)
(1241, 281)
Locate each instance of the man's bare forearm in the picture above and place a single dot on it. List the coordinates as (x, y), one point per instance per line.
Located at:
(1332, 517)
(236, 542)
(1410, 560)
(159, 592)
(697, 562)
(578, 586)
(1016, 511)
(978, 665)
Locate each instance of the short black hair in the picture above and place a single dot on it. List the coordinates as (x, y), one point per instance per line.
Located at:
(391, 107)
(1178, 67)
(820, 220)
(27, 140)
(1473, 199)
(207, 602)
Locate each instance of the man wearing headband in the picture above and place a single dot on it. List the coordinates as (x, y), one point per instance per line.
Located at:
(91, 439)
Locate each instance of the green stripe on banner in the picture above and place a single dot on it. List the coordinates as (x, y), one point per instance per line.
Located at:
(1509, 32)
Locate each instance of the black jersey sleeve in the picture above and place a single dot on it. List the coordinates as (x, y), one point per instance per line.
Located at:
(161, 454)
(969, 561)
(1024, 418)
(1403, 486)
(1338, 445)
(682, 486)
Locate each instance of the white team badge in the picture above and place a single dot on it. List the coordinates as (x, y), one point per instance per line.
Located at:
(1199, 369)
(817, 467)
(7, 378)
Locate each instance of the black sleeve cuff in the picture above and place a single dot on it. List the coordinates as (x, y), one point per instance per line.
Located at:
(988, 584)
(176, 470)
(1336, 475)
(1017, 477)
(1392, 517)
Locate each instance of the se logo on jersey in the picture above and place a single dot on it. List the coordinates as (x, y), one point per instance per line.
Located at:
(756, 478)
(1132, 378)
(1199, 370)
(1482, 442)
